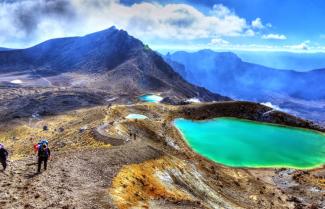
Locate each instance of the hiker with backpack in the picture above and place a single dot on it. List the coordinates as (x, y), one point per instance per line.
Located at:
(3, 156)
(39, 144)
(44, 154)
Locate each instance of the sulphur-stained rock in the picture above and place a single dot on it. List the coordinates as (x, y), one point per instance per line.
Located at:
(157, 170)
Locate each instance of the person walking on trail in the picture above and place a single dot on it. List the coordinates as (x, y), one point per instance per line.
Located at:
(44, 154)
(3, 156)
(40, 144)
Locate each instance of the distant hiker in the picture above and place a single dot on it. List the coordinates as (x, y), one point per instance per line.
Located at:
(44, 154)
(3, 156)
(82, 129)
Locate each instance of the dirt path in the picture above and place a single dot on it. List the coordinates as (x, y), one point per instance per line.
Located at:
(101, 135)
(73, 180)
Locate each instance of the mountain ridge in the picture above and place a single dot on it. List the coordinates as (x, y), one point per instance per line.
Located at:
(300, 93)
(4, 49)
(110, 59)
(303, 62)
(217, 65)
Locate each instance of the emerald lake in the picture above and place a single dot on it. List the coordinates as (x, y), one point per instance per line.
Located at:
(151, 98)
(242, 143)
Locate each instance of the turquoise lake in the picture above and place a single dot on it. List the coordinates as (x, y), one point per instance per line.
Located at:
(151, 98)
(242, 143)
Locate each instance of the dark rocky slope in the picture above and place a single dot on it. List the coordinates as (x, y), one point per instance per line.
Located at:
(4, 49)
(109, 59)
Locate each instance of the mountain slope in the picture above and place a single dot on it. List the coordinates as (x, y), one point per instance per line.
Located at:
(4, 49)
(228, 74)
(299, 93)
(95, 52)
(109, 59)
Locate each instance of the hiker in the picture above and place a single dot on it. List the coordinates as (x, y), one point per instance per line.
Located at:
(44, 154)
(3, 156)
(39, 144)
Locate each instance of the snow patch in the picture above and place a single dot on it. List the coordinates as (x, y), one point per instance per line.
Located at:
(315, 189)
(277, 108)
(35, 115)
(136, 116)
(16, 81)
(170, 142)
(111, 99)
(164, 177)
(269, 104)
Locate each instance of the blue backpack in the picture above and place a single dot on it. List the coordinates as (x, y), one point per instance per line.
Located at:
(43, 141)
(41, 152)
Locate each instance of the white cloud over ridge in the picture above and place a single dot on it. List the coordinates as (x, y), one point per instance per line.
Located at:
(218, 42)
(32, 21)
(302, 46)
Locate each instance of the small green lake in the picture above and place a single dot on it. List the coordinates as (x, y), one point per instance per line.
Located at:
(151, 98)
(242, 143)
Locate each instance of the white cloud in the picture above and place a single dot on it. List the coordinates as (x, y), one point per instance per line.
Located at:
(305, 46)
(274, 37)
(249, 32)
(269, 25)
(302, 46)
(257, 23)
(218, 41)
(242, 47)
(221, 11)
(146, 21)
(179, 21)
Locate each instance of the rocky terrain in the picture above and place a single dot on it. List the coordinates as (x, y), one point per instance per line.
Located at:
(152, 167)
(77, 92)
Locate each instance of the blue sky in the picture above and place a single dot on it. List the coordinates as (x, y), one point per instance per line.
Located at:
(258, 25)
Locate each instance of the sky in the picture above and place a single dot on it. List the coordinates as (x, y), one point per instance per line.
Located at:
(253, 25)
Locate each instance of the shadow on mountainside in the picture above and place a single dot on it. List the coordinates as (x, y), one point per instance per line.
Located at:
(23, 103)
